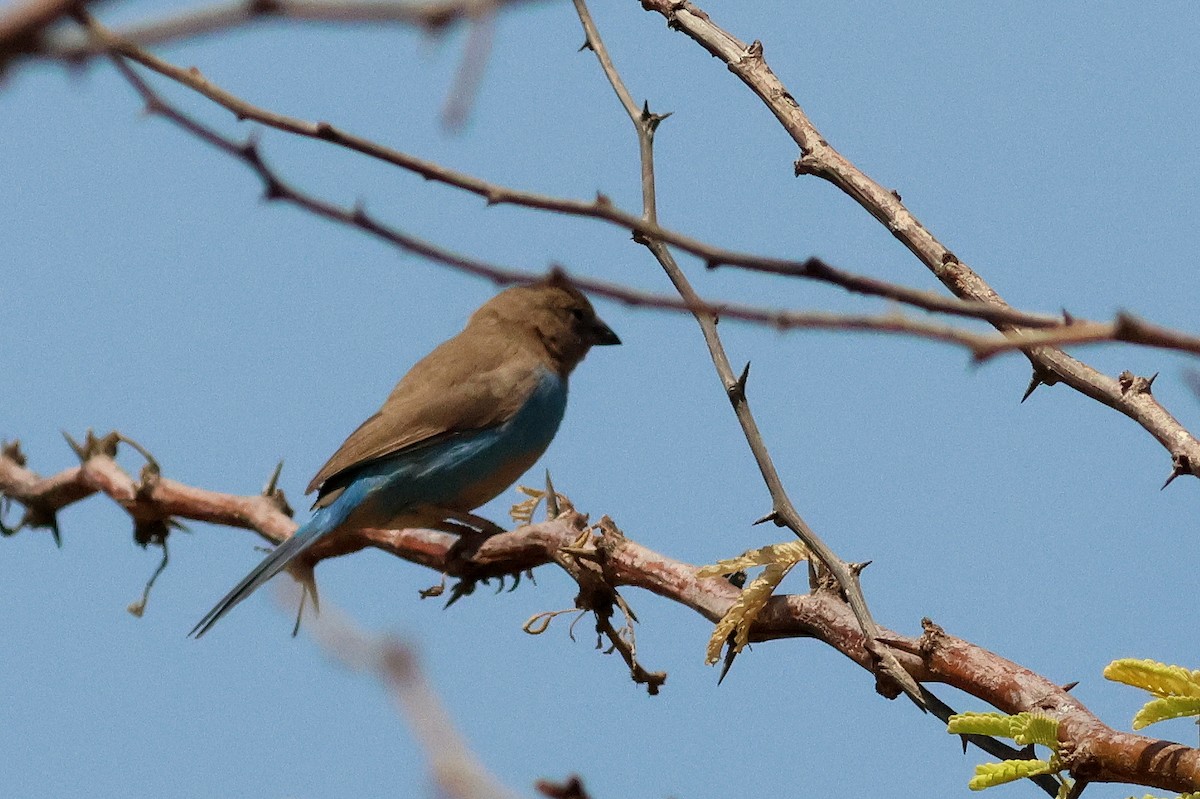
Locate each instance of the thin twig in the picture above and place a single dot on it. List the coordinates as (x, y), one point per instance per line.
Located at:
(429, 15)
(819, 158)
(278, 189)
(1069, 330)
(601, 208)
(784, 513)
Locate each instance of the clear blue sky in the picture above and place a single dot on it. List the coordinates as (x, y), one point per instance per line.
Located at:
(147, 288)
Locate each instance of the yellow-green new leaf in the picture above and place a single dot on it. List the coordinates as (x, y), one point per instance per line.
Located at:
(1158, 678)
(1171, 707)
(996, 725)
(1035, 728)
(990, 774)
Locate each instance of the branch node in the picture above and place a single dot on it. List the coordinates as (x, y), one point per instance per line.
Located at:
(1131, 383)
(807, 164)
(651, 120)
(1180, 465)
(737, 391)
(12, 451)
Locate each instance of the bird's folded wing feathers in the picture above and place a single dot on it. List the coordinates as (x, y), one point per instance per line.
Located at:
(470, 382)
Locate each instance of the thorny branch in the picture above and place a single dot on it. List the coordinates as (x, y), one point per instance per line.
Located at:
(1126, 394)
(276, 188)
(783, 512)
(1050, 329)
(819, 158)
(1089, 747)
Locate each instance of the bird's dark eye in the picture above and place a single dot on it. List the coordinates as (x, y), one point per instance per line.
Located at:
(577, 314)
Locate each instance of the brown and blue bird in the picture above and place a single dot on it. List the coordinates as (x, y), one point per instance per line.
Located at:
(465, 422)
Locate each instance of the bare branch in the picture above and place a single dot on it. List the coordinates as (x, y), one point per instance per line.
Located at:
(783, 512)
(434, 16)
(819, 158)
(600, 208)
(1088, 746)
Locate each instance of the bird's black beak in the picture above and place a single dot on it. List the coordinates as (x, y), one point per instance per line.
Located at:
(602, 335)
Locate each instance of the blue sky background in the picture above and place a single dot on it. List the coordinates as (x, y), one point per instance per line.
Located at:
(147, 288)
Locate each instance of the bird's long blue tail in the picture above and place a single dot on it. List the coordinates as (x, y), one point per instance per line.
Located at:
(278, 559)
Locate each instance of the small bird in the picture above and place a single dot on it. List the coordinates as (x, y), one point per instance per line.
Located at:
(465, 422)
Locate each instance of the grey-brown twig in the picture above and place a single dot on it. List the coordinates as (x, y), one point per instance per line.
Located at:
(600, 208)
(783, 512)
(428, 15)
(1057, 328)
(818, 157)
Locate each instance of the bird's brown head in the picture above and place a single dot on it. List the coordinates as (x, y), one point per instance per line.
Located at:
(554, 312)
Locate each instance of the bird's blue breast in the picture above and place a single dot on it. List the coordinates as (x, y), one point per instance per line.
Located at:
(461, 471)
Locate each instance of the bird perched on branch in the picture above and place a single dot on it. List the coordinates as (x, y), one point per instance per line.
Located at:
(461, 427)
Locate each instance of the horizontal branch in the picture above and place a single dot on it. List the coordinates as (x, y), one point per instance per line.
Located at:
(1089, 748)
(276, 188)
(600, 208)
(429, 15)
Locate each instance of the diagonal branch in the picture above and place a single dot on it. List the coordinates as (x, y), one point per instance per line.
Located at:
(600, 208)
(278, 189)
(783, 512)
(1055, 329)
(819, 158)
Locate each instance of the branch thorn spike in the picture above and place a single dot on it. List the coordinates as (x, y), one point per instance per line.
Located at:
(1034, 382)
(270, 487)
(552, 509)
(75, 446)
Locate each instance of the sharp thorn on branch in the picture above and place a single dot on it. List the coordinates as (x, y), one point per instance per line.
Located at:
(1170, 478)
(1034, 382)
(552, 509)
(270, 487)
(75, 446)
